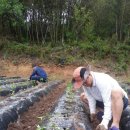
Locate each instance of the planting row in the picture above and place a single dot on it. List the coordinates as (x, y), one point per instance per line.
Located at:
(14, 87)
(70, 114)
(4, 77)
(67, 115)
(15, 105)
(9, 81)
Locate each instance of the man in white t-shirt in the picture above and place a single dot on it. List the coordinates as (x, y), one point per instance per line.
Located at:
(103, 90)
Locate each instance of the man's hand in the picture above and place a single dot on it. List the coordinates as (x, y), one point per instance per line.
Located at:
(100, 127)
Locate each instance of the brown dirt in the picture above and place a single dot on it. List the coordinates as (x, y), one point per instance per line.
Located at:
(24, 70)
(30, 119)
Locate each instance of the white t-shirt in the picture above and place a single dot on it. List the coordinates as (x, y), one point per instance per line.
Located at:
(101, 91)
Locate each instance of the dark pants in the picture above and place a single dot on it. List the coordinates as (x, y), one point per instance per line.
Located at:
(101, 105)
(38, 78)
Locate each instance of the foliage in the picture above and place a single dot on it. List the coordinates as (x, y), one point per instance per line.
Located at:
(64, 21)
(11, 14)
(40, 128)
(10, 6)
(98, 49)
(82, 28)
(69, 91)
(23, 49)
(120, 54)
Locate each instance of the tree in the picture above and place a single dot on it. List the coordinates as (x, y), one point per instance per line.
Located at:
(11, 16)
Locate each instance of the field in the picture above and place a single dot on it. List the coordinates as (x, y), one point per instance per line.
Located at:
(46, 106)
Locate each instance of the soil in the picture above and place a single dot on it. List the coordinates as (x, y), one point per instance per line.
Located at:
(29, 120)
(23, 68)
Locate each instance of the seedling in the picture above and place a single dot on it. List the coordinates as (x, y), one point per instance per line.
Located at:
(40, 128)
(69, 92)
(13, 89)
(54, 127)
(0, 89)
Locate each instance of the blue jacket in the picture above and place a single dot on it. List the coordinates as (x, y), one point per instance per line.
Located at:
(39, 71)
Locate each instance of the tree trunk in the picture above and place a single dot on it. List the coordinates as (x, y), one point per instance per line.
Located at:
(122, 19)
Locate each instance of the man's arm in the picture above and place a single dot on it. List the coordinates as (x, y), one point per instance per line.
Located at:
(105, 90)
(91, 101)
(33, 73)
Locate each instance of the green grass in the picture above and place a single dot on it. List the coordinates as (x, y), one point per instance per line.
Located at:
(71, 53)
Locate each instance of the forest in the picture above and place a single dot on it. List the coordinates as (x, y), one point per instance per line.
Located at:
(81, 28)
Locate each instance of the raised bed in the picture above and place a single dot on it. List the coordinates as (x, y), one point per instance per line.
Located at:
(14, 87)
(4, 77)
(9, 81)
(67, 115)
(70, 114)
(15, 105)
